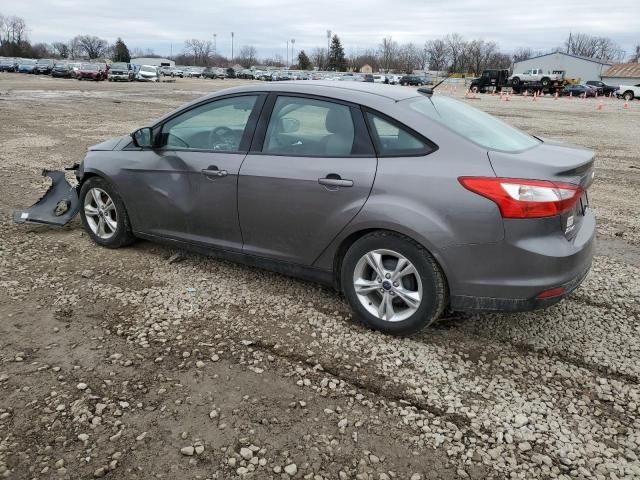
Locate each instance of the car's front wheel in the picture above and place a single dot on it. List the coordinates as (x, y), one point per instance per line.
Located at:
(103, 214)
(392, 283)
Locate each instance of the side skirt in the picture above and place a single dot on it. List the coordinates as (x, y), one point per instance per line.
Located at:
(315, 275)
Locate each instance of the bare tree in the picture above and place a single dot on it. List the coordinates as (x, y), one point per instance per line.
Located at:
(388, 50)
(200, 50)
(319, 57)
(455, 48)
(89, 46)
(14, 30)
(438, 56)
(247, 56)
(602, 48)
(521, 54)
(635, 57)
(60, 49)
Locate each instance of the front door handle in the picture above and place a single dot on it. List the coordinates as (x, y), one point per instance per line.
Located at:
(213, 171)
(335, 181)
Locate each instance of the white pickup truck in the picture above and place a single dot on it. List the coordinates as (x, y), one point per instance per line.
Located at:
(536, 75)
(628, 92)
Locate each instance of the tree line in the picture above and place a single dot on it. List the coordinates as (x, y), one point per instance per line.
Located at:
(452, 53)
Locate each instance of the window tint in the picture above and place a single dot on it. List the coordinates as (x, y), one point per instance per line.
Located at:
(216, 126)
(394, 140)
(303, 126)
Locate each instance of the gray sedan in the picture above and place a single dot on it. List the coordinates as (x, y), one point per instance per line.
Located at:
(407, 202)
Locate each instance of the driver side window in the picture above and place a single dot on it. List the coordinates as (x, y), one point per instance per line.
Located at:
(216, 126)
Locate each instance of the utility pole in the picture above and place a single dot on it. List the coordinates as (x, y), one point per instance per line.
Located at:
(293, 43)
(286, 63)
(328, 40)
(232, 48)
(214, 44)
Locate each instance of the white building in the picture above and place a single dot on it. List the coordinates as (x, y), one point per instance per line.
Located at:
(622, 74)
(156, 62)
(580, 68)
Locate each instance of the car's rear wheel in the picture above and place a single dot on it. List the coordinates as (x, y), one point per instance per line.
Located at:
(628, 95)
(393, 284)
(103, 214)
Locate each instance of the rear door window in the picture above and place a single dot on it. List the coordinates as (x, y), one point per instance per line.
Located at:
(308, 127)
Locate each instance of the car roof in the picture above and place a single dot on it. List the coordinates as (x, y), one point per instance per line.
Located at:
(357, 92)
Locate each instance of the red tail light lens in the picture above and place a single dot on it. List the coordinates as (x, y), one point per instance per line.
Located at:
(521, 198)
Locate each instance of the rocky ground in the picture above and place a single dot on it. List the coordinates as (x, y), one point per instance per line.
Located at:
(147, 362)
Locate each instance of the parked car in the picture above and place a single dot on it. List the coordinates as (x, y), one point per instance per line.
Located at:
(193, 72)
(8, 65)
(411, 203)
(43, 66)
(120, 72)
(230, 73)
(380, 79)
(148, 73)
(27, 66)
(579, 90)
(628, 92)
(413, 80)
(367, 77)
(62, 70)
(90, 71)
(601, 87)
(208, 72)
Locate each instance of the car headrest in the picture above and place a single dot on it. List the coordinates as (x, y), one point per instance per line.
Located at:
(339, 121)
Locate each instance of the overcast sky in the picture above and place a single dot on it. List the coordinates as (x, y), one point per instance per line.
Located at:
(268, 24)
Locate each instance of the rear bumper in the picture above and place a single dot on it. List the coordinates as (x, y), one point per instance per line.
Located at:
(489, 304)
(509, 276)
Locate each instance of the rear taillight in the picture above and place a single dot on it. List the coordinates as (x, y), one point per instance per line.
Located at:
(521, 198)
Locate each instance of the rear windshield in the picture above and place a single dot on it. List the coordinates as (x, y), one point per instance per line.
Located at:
(119, 66)
(473, 124)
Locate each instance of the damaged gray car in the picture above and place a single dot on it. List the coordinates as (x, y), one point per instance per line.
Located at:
(407, 202)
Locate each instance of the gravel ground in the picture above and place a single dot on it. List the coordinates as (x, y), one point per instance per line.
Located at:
(147, 362)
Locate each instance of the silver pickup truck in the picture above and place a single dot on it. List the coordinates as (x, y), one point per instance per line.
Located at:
(536, 75)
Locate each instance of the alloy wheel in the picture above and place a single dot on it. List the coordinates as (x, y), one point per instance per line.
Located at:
(100, 212)
(388, 285)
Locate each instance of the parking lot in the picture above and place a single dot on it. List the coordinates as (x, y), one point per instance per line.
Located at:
(148, 362)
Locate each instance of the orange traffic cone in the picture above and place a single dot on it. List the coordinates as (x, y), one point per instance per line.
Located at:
(626, 104)
(600, 106)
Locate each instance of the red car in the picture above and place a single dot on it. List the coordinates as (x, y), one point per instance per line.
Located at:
(91, 71)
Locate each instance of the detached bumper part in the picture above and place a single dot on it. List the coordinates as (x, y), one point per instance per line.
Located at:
(57, 206)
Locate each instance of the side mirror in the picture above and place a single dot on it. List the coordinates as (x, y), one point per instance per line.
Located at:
(143, 137)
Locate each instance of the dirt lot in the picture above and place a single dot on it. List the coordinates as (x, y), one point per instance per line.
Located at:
(124, 364)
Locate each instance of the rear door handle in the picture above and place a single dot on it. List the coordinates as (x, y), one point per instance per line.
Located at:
(214, 172)
(335, 182)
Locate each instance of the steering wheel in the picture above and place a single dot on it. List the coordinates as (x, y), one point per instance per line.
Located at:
(218, 135)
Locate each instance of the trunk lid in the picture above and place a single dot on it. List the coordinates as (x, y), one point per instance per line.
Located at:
(554, 161)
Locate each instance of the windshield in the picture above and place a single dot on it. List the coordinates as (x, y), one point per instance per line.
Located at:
(148, 69)
(119, 66)
(90, 68)
(473, 124)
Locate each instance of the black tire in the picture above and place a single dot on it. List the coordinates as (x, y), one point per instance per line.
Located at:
(434, 287)
(123, 234)
(628, 95)
(545, 82)
(515, 81)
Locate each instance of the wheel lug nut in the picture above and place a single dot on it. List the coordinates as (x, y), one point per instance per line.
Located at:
(391, 293)
(395, 284)
(388, 275)
(382, 290)
(379, 280)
